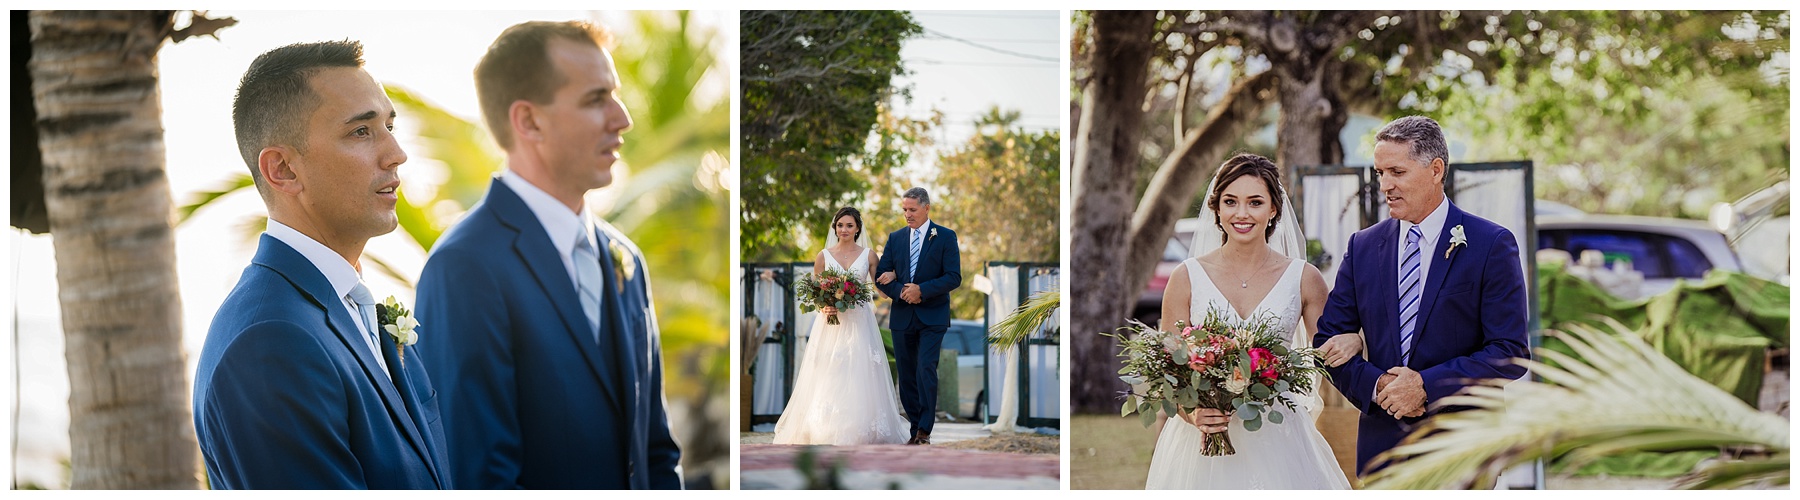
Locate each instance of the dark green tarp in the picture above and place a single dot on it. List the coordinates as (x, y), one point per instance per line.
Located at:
(1719, 329)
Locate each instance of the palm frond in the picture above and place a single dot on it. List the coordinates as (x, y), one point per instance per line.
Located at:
(206, 197)
(1026, 319)
(1618, 396)
(384, 267)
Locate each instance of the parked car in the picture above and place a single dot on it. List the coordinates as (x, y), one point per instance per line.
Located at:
(1758, 227)
(969, 340)
(1663, 249)
(1149, 304)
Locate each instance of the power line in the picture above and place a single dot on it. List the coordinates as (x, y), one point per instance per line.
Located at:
(935, 62)
(1000, 40)
(1052, 15)
(1034, 57)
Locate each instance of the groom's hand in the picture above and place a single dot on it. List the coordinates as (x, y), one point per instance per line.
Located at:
(910, 293)
(887, 277)
(1404, 396)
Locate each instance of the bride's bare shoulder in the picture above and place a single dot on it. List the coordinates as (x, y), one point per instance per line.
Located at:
(1312, 280)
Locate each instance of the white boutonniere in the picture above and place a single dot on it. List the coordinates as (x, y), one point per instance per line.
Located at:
(398, 322)
(932, 234)
(1456, 238)
(624, 264)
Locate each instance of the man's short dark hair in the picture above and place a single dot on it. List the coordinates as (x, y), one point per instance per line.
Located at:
(517, 66)
(274, 97)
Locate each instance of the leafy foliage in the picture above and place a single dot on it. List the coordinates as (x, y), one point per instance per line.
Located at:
(1001, 191)
(1692, 103)
(1037, 312)
(1617, 395)
(812, 86)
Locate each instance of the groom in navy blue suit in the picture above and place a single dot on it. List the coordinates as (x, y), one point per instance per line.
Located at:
(1438, 294)
(548, 346)
(298, 387)
(919, 267)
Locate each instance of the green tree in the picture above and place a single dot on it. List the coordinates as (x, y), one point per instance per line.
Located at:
(813, 83)
(1001, 191)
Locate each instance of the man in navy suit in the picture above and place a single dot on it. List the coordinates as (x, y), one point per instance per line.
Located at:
(1437, 292)
(298, 386)
(548, 341)
(919, 267)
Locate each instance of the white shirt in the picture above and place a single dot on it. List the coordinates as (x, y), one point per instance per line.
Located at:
(337, 271)
(1432, 226)
(563, 226)
(920, 232)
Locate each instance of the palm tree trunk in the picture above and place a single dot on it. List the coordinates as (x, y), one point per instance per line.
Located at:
(100, 124)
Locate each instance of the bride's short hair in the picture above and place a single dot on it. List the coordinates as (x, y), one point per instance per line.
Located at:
(1241, 165)
(854, 214)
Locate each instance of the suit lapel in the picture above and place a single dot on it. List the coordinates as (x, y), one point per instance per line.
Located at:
(1440, 267)
(905, 237)
(297, 270)
(403, 381)
(619, 330)
(925, 247)
(1389, 285)
(534, 248)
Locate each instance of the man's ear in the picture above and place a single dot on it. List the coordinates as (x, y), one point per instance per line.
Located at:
(276, 164)
(1439, 169)
(523, 117)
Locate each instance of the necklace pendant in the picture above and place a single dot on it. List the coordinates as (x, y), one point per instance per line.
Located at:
(1245, 284)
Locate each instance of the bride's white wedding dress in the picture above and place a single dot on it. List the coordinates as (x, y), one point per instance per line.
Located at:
(1291, 455)
(843, 394)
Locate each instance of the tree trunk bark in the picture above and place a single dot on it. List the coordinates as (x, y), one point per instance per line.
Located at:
(1312, 117)
(100, 125)
(1186, 172)
(1106, 159)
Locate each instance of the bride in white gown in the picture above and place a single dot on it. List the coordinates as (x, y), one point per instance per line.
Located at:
(843, 394)
(1256, 246)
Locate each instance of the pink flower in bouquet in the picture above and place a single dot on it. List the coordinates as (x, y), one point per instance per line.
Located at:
(1263, 362)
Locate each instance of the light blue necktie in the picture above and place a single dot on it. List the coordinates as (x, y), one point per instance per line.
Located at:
(365, 306)
(1409, 293)
(912, 264)
(587, 280)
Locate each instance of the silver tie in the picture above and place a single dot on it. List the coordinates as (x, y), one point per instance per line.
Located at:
(365, 306)
(587, 280)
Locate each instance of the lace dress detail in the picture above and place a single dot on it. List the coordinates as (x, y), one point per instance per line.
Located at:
(843, 393)
(1291, 455)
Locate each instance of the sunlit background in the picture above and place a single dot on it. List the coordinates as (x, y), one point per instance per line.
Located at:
(670, 194)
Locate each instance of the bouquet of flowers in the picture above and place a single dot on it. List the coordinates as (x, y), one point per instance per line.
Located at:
(832, 288)
(1242, 369)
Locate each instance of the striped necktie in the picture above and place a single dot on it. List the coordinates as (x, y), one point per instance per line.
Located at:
(912, 263)
(1410, 280)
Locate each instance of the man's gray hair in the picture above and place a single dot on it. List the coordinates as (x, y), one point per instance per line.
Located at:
(1425, 138)
(919, 194)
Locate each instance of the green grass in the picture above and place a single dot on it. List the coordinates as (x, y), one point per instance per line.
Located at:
(1108, 453)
